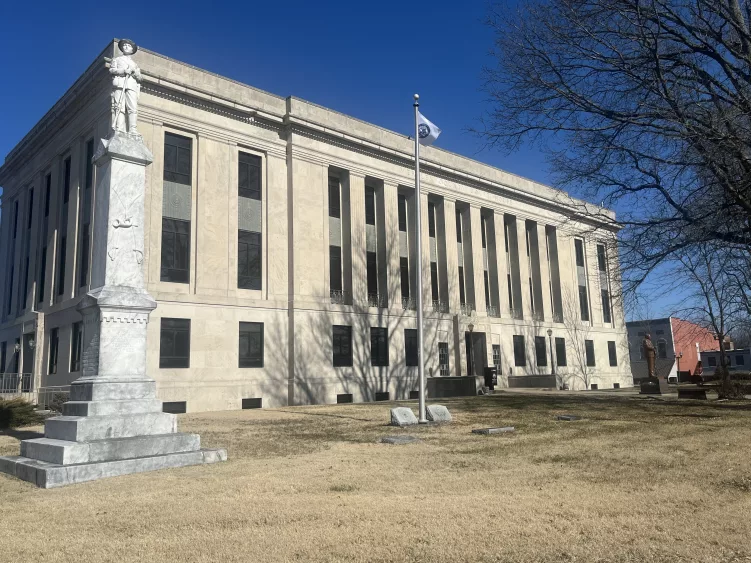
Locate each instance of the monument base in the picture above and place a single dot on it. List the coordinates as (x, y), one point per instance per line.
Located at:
(654, 386)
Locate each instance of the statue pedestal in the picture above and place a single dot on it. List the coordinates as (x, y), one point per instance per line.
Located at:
(113, 423)
(654, 386)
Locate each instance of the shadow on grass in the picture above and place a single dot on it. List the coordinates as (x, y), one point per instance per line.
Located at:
(20, 434)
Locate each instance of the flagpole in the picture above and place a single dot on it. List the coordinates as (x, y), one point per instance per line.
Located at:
(418, 206)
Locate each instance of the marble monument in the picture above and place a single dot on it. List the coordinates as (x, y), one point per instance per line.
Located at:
(113, 423)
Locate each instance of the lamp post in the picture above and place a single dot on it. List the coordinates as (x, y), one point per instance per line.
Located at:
(678, 361)
(471, 327)
(552, 359)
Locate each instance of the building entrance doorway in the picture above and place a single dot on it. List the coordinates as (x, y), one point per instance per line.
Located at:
(477, 352)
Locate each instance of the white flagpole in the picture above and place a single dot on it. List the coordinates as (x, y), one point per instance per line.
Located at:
(418, 206)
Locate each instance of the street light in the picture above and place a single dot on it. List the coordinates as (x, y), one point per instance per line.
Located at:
(552, 360)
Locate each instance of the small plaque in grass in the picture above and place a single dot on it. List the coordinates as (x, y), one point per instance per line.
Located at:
(499, 430)
(567, 417)
(398, 440)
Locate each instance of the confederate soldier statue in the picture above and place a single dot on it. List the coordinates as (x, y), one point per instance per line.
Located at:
(649, 355)
(126, 79)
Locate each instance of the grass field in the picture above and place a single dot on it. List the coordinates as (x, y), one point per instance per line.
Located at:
(636, 479)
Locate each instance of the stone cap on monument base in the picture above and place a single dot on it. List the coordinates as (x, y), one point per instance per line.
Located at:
(124, 146)
(118, 297)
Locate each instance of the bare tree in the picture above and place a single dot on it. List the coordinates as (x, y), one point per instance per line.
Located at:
(642, 103)
(578, 332)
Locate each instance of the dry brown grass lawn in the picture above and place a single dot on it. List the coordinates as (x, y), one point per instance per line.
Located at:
(636, 480)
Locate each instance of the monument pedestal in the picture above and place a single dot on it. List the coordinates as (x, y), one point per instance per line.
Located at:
(654, 386)
(113, 423)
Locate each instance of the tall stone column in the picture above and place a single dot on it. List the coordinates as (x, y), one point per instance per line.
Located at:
(113, 423)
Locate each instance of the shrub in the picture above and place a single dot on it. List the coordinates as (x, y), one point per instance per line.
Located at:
(17, 412)
(57, 402)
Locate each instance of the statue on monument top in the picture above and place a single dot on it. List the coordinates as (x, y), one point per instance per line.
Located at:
(126, 86)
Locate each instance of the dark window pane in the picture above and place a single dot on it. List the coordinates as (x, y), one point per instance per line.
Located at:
(249, 260)
(370, 213)
(434, 281)
(540, 352)
(177, 159)
(175, 250)
(249, 176)
(174, 343)
(443, 358)
(662, 349)
(404, 268)
(66, 180)
(372, 273)
(589, 348)
(611, 353)
(520, 357)
(487, 288)
(462, 299)
(61, 266)
(606, 306)
(47, 194)
(42, 274)
(410, 347)
(601, 258)
(579, 247)
(402, 202)
(30, 209)
(335, 268)
(334, 204)
(740, 360)
(458, 226)
(379, 346)
(54, 340)
(76, 345)
(583, 304)
(89, 165)
(342, 346)
(483, 226)
(84, 273)
(712, 361)
(431, 219)
(251, 345)
(560, 351)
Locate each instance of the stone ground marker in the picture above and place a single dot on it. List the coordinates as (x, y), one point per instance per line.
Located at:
(438, 413)
(403, 416)
(113, 423)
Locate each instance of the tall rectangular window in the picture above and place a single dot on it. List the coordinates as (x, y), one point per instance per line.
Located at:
(42, 274)
(47, 194)
(560, 352)
(462, 295)
(84, 274)
(76, 345)
(583, 303)
(520, 357)
(52, 359)
(579, 248)
(249, 176)
(434, 281)
(174, 343)
(341, 345)
(404, 269)
(431, 219)
(602, 266)
(379, 346)
(443, 358)
(23, 289)
(410, 347)
(30, 210)
(458, 226)
(497, 357)
(402, 203)
(250, 348)
(540, 351)
(61, 265)
(41, 280)
(589, 350)
(335, 268)
(335, 207)
(248, 260)
(370, 206)
(611, 353)
(606, 318)
(66, 180)
(372, 274)
(601, 261)
(176, 209)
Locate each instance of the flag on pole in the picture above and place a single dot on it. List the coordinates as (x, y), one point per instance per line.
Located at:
(427, 132)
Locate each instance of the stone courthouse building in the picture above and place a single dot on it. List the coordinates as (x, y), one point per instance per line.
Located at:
(281, 250)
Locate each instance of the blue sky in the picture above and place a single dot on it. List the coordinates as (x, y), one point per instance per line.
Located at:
(362, 59)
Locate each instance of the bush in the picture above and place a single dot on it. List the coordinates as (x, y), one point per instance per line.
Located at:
(17, 412)
(57, 402)
(730, 389)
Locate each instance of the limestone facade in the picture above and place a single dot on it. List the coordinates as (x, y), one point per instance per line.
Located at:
(301, 219)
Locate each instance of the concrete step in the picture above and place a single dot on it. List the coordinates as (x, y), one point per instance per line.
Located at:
(48, 475)
(88, 428)
(93, 390)
(63, 452)
(104, 408)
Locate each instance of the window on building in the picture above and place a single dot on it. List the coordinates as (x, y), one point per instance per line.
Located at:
(431, 219)
(579, 248)
(662, 348)
(740, 360)
(30, 210)
(458, 226)
(9, 300)
(335, 208)
(76, 346)
(47, 194)
(248, 260)
(249, 176)
(483, 227)
(712, 361)
(23, 288)
(443, 358)
(589, 349)
(379, 346)
(606, 306)
(434, 282)
(372, 274)
(410, 347)
(175, 250)
(497, 357)
(16, 357)
(3, 355)
(61, 265)
(174, 343)
(404, 269)
(583, 303)
(462, 296)
(560, 352)
(176, 209)
(251, 345)
(486, 283)
(66, 180)
(611, 353)
(42, 274)
(402, 202)
(540, 351)
(84, 272)
(520, 356)
(342, 345)
(601, 260)
(335, 268)
(370, 206)
(52, 360)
